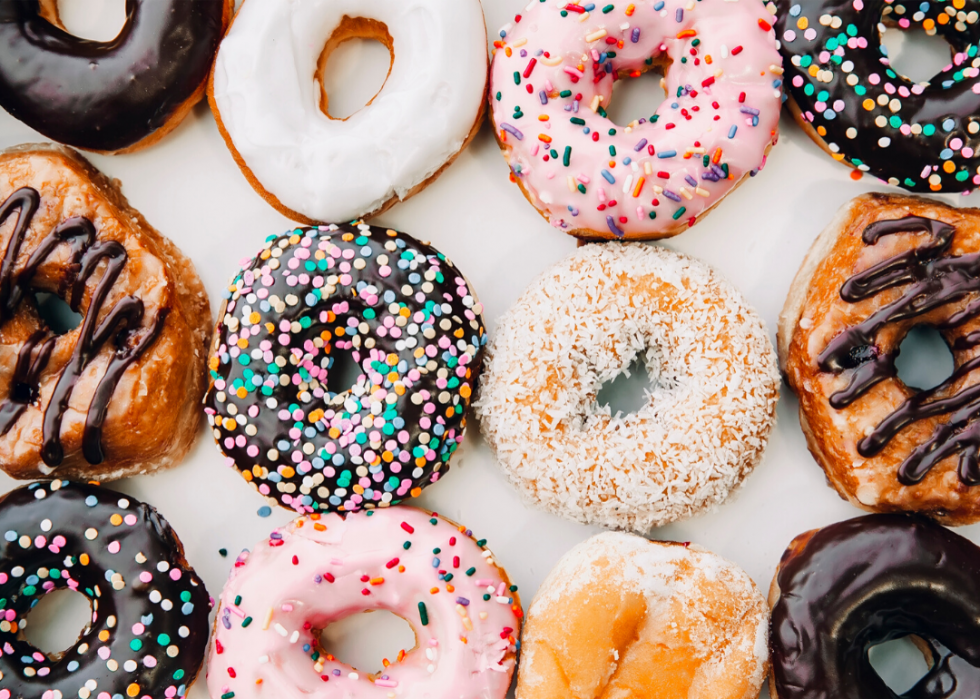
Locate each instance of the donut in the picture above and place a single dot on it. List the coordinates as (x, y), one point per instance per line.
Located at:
(114, 96)
(620, 616)
(149, 627)
(709, 410)
(656, 177)
(884, 265)
(407, 319)
(319, 569)
(267, 97)
(845, 588)
(844, 93)
(119, 394)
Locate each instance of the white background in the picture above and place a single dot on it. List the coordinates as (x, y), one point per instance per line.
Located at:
(190, 189)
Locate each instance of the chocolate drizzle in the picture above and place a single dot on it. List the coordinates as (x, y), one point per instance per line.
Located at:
(119, 325)
(934, 279)
(106, 96)
(867, 581)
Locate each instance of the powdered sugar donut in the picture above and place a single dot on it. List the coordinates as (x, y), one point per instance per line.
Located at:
(266, 94)
(552, 79)
(621, 616)
(465, 613)
(710, 409)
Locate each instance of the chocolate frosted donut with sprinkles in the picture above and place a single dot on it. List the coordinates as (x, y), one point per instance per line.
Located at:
(551, 83)
(149, 624)
(405, 316)
(843, 92)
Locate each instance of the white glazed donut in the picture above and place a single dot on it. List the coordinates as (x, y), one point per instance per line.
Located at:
(711, 407)
(319, 569)
(266, 96)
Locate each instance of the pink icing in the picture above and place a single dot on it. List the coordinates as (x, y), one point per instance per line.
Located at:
(467, 649)
(728, 109)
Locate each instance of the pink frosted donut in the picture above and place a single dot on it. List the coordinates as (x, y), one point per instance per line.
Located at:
(552, 78)
(319, 569)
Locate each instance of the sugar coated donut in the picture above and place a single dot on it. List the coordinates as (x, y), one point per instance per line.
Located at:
(113, 96)
(884, 265)
(551, 82)
(404, 315)
(119, 394)
(149, 624)
(268, 100)
(710, 408)
(918, 135)
(464, 611)
(843, 589)
(621, 616)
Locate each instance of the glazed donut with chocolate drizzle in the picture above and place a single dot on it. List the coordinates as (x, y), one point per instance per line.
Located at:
(117, 395)
(885, 265)
(843, 589)
(113, 96)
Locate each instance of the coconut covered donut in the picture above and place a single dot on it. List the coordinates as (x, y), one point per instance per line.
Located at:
(621, 616)
(884, 265)
(709, 412)
(267, 97)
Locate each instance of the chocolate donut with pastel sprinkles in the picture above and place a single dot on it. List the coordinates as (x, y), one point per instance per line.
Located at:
(845, 94)
(551, 82)
(149, 625)
(317, 570)
(408, 319)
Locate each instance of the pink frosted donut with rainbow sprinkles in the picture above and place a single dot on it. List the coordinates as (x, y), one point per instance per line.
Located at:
(552, 79)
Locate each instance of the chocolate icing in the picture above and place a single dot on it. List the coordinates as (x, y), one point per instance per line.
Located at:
(119, 325)
(934, 279)
(130, 623)
(867, 581)
(944, 110)
(109, 95)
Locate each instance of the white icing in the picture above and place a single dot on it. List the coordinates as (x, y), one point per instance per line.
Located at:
(330, 170)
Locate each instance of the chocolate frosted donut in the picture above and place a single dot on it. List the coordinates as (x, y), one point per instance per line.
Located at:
(842, 589)
(149, 625)
(111, 96)
(920, 136)
(407, 318)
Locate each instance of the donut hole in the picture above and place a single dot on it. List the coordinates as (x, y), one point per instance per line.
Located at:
(56, 313)
(353, 67)
(96, 20)
(637, 98)
(899, 663)
(628, 391)
(924, 359)
(342, 372)
(915, 54)
(57, 621)
(366, 640)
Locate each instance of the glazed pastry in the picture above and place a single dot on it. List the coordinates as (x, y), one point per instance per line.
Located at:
(149, 624)
(621, 616)
(405, 316)
(464, 611)
(108, 96)
(708, 414)
(267, 96)
(842, 589)
(117, 395)
(884, 265)
(848, 99)
(551, 83)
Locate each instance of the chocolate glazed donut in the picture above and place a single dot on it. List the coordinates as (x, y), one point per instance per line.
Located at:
(111, 96)
(149, 623)
(924, 136)
(853, 585)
